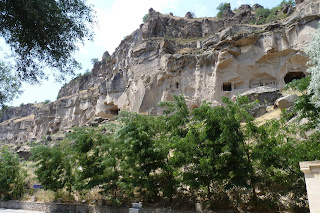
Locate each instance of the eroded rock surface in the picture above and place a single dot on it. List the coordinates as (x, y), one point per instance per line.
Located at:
(201, 58)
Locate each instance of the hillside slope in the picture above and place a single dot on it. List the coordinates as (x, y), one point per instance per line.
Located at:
(201, 58)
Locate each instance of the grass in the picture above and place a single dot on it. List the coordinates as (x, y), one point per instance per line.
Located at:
(271, 114)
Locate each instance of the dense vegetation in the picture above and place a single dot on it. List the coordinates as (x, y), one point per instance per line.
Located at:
(12, 178)
(216, 155)
(263, 15)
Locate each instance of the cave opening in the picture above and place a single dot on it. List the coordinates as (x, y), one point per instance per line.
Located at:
(293, 75)
(114, 110)
(226, 86)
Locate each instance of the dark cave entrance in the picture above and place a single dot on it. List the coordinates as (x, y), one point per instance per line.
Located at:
(293, 75)
(114, 110)
(226, 86)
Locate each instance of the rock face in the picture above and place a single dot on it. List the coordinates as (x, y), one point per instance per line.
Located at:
(265, 95)
(201, 58)
(286, 101)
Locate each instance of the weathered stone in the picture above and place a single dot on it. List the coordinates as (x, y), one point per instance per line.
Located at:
(227, 58)
(189, 15)
(311, 170)
(266, 95)
(227, 12)
(256, 6)
(286, 101)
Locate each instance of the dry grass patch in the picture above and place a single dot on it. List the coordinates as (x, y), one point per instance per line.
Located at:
(271, 114)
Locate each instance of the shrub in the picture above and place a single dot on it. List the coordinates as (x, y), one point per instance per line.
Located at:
(94, 60)
(221, 8)
(145, 18)
(12, 178)
(46, 101)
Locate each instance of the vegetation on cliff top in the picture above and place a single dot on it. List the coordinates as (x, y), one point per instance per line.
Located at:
(263, 15)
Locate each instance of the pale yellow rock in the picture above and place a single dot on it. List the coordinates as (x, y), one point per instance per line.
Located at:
(203, 59)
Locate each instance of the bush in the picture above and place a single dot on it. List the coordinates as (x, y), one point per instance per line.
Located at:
(12, 178)
(145, 18)
(46, 101)
(221, 8)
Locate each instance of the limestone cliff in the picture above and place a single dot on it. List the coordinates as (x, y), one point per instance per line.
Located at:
(201, 58)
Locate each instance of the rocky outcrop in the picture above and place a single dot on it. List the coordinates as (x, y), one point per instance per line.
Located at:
(201, 58)
(265, 96)
(286, 101)
(17, 112)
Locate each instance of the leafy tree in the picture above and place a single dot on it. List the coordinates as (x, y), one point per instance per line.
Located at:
(9, 85)
(47, 101)
(214, 152)
(94, 60)
(177, 115)
(221, 7)
(313, 51)
(289, 2)
(96, 155)
(145, 153)
(261, 15)
(12, 178)
(88, 152)
(145, 18)
(44, 33)
(53, 167)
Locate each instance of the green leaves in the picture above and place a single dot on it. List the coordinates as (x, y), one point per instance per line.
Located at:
(313, 51)
(9, 84)
(216, 154)
(12, 178)
(53, 167)
(44, 33)
(221, 7)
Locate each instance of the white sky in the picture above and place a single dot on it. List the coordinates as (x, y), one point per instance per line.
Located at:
(117, 19)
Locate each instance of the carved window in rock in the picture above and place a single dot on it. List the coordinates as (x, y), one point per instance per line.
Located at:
(240, 85)
(292, 76)
(227, 86)
(271, 82)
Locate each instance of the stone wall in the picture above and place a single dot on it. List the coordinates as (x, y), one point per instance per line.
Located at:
(311, 170)
(61, 208)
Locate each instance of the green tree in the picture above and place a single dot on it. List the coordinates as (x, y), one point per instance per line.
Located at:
(44, 33)
(9, 85)
(145, 18)
(97, 156)
(53, 167)
(313, 51)
(213, 154)
(146, 155)
(289, 2)
(94, 60)
(221, 7)
(12, 178)
(261, 15)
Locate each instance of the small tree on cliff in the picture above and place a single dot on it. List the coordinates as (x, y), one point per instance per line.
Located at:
(221, 8)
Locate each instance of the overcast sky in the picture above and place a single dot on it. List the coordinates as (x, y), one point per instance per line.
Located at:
(117, 19)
